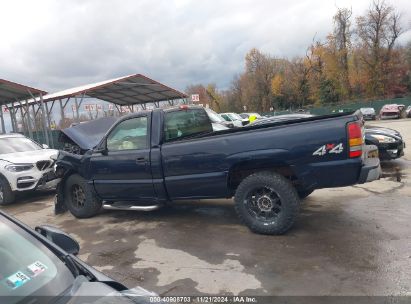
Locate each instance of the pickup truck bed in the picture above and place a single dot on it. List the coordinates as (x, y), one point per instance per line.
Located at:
(156, 157)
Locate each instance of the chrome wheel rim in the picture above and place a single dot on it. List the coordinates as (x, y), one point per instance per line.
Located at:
(78, 196)
(263, 203)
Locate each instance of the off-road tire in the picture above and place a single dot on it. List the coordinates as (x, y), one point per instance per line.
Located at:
(8, 195)
(285, 191)
(302, 194)
(91, 205)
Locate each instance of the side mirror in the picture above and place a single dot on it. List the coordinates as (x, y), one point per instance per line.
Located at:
(102, 150)
(45, 146)
(59, 238)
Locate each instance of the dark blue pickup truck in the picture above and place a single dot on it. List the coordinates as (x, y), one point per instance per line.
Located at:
(150, 159)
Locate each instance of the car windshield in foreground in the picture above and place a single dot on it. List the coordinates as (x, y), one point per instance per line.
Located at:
(17, 144)
(27, 267)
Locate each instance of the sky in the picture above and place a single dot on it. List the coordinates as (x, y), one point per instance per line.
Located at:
(55, 45)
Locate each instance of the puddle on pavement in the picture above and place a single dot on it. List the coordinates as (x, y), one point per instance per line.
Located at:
(394, 171)
(395, 176)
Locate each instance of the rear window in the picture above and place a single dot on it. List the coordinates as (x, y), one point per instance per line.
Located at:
(185, 123)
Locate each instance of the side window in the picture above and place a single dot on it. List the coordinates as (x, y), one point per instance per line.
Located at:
(180, 124)
(130, 134)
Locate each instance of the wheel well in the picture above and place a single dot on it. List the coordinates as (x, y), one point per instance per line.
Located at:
(5, 178)
(239, 172)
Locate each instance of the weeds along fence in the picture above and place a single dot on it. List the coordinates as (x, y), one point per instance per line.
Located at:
(376, 104)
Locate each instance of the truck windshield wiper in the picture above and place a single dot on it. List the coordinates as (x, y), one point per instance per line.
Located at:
(71, 265)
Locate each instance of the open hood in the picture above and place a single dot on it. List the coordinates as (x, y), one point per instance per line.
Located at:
(88, 134)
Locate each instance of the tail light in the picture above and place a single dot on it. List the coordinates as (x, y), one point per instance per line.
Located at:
(355, 139)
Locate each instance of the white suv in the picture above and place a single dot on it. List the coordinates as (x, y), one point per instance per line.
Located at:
(24, 165)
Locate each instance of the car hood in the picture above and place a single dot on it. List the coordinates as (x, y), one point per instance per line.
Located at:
(29, 157)
(382, 131)
(87, 135)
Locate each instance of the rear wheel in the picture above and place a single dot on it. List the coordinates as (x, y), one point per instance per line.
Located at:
(267, 203)
(7, 196)
(79, 198)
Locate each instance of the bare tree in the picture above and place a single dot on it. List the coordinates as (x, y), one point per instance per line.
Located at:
(342, 40)
(260, 70)
(377, 31)
(299, 77)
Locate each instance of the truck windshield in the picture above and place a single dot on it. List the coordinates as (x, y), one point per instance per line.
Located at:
(27, 267)
(17, 144)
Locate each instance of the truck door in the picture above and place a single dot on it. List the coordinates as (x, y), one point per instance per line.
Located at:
(123, 172)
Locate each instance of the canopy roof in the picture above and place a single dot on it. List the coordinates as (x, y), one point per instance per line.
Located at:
(12, 91)
(124, 91)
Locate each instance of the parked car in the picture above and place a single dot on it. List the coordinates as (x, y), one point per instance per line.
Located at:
(40, 266)
(218, 122)
(408, 111)
(389, 142)
(24, 166)
(179, 157)
(390, 111)
(236, 119)
(368, 113)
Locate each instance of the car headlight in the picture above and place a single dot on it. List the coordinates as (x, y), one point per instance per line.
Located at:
(18, 167)
(384, 139)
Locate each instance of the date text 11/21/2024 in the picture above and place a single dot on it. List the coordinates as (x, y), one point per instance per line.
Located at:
(204, 299)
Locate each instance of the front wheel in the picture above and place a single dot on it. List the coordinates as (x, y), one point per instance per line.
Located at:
(7, 196)
(79, 198)
(267, 203)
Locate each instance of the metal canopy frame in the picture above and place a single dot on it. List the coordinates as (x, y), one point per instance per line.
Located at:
(12, 93)
(126, 91)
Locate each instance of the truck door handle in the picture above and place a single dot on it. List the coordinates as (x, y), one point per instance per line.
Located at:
(141, 160)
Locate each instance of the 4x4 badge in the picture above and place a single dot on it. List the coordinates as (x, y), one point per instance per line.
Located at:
(329, 148)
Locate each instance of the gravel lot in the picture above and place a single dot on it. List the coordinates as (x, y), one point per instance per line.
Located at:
(347, 241)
